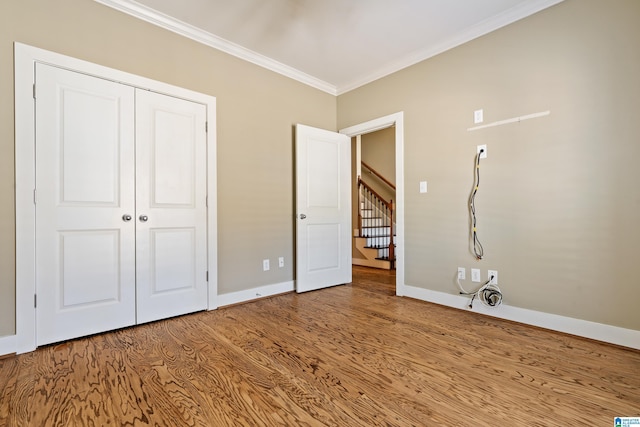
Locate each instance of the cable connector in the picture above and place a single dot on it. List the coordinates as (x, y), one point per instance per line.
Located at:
(471, 302)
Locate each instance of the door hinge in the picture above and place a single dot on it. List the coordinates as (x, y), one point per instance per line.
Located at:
(35, 197)
(207, 276)
(206, 201)
(35, 301)
(206, 126)
(34, 91)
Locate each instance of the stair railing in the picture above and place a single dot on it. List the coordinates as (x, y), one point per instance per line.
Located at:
(381, 210)
(379, 176)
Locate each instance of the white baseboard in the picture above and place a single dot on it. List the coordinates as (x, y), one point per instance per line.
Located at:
(255, 293)
(7, 345)
(583, 328)
(592, 330)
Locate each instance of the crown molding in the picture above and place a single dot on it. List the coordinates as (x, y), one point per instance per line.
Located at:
(154, 17)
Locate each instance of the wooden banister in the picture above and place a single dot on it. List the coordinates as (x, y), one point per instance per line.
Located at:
(379, 175)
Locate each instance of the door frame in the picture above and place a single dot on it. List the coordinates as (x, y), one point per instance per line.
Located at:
(25, 57)
(397, 120)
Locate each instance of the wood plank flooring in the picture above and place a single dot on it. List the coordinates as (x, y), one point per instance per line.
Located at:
(352, 355)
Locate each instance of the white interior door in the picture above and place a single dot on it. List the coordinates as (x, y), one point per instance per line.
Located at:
(323, 208)
(171, 211)
(85, 261)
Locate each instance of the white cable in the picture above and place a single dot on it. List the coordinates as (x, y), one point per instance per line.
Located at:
(489, 294)
(462, 291)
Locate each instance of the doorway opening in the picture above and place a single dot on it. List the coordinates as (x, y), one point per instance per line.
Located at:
(373, 199)
(394, 122)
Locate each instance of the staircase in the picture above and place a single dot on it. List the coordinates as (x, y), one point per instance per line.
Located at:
(376, 228)
(375, 239)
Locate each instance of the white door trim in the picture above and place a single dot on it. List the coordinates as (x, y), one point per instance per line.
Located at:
(380, 123)
(7, 345)
(25, 58)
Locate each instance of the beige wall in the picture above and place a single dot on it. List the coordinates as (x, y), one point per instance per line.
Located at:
(559, 201)
(256, 112)
(378, 151)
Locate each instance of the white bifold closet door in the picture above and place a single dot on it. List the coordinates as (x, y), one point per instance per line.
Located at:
(120, 205)
(171, 206)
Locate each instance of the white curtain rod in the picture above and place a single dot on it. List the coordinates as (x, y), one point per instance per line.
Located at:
(512, 120)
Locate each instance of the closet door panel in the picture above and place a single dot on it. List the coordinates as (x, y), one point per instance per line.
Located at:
(85, 259)
(170, 206)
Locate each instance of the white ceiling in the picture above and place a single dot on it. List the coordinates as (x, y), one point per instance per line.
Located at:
(333, 45)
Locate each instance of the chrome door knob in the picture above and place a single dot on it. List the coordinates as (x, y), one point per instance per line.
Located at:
(302, 216)
(143, 218)
(126, 217)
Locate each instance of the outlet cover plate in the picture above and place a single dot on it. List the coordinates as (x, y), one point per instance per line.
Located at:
(475, 275)
(484, 152)
(493, 273)
(478, 116)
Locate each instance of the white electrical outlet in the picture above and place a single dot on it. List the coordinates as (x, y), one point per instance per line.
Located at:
(265, 265)
(478, 116)
(482, 148)
(475, 274)
(494, 274)
(281, 262)
(423, 186)
(462, 273)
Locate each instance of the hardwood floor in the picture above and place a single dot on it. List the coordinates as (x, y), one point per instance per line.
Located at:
(351, 355)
